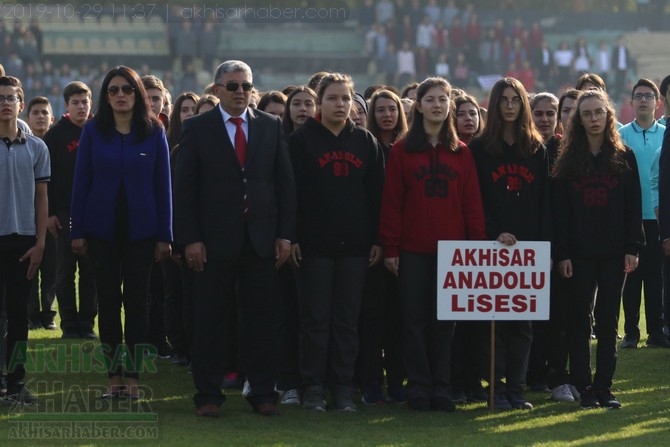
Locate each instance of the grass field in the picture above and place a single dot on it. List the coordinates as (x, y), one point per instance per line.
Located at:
(69, 411)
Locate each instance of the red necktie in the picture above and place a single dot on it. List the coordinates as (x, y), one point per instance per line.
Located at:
(240, 140)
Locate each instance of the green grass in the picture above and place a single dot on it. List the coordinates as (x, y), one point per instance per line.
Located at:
(641, 383)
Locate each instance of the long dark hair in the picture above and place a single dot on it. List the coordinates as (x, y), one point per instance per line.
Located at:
(287, 124)
(175, 124)
(416, 139)
(143, 121)
(401, 125)
(574, 154)
(528, 139)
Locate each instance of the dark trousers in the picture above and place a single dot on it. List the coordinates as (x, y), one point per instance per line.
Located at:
(649, 272)
(608, 276)
(122, 270)
(16, 289)
(289, 331)
(330, 293)
(74, 318)
(43, 287)
(666, 291)
(3, 337)
(513, 340)
(187, 276)
(380, 339)
(557, 331)
(426, 340)
(470, 355)
(257, 303)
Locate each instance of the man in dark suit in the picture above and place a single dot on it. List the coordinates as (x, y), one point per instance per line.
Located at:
(235, 207)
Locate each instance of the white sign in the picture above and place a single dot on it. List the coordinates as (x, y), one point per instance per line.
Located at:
(487, 280)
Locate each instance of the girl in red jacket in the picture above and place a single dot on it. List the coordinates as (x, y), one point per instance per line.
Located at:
(431, 193)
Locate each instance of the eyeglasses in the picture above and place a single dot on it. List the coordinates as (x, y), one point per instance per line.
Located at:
(647, 96)
(233, 86)
(514, 102)
(9, 99)
(126, 89)
(589, 115)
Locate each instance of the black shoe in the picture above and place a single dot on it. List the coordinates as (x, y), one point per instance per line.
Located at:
(163, 350)
(500, 402)
(70, 334)
(589, 399)
(629, 342)
(442, 404)
(539, 387)
(34, 325)
(459, 396)
(607, 400)
(478, 394)
(518, 402)
(50, 326)
(21, 395)
(658, 341)
(89, 335)
(179, 360)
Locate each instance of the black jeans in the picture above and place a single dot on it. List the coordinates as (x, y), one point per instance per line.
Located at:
(330, 292)
(513, 340)
(649, 272)
(557, 331)
(122, 270)
(15, 299)
(608, 276)
(43, 287)
(380, 337)
(74, 318)
(289, 330)
(426, 340)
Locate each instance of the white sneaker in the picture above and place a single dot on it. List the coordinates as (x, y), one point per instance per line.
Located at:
(562, 393)
(246, 389)
(291, 397)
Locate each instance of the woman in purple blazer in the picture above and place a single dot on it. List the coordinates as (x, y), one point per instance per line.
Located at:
(121, 217)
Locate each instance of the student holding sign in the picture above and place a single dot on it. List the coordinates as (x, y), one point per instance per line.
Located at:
(512, 167)
(599, 230)
(431, 193)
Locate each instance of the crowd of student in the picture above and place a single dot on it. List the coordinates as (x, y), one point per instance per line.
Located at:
(304, 250)
(408, 41)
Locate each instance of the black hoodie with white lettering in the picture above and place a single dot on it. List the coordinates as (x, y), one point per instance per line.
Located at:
(339, 180)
